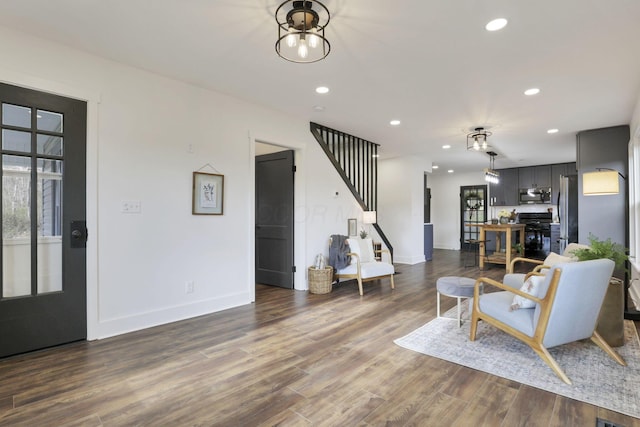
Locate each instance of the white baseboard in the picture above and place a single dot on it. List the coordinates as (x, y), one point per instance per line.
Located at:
(411, 260)
(113, 327)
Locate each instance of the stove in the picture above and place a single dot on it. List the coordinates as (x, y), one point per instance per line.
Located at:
(537, 231)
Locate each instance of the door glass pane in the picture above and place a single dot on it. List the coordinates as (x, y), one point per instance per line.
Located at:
(16, 141)
(49, 225)
(51, 145)
(49, 121)
(14, 115)
(16, 226)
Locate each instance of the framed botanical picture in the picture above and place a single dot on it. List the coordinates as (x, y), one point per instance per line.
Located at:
(208, 194)
(352, 227)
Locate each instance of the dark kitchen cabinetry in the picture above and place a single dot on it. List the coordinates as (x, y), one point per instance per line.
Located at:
(505, 193)
(535, 177)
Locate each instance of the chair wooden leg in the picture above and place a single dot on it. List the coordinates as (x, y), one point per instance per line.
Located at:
(360, 286)
(551, 362)
(474, 326)
(393, 286)
(596, 338)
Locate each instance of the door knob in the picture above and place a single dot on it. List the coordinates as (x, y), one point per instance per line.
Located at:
(78, 234)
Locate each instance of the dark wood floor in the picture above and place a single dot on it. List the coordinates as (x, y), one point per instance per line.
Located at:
(290, 359)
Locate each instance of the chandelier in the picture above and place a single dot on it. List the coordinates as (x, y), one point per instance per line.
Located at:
(301, 31)
(491, 175)
(477, 140)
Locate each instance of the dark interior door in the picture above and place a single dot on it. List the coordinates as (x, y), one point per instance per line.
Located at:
(43, 278)
(473, 211)
(274, 219)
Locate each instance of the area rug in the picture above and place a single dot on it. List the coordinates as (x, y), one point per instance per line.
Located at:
(597, 379)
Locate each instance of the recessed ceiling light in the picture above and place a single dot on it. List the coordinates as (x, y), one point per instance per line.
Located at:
(435, 167)
(552, 131)
(450, 171)
(394, 122)
(322, 89)
(446, 147)
(496, 24)
(532, 91)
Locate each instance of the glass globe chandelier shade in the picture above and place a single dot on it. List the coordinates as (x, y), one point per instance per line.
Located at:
(301, 31)
(477, 140)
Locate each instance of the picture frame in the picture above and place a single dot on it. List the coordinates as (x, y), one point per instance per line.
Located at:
(208, 194)
(352, 227)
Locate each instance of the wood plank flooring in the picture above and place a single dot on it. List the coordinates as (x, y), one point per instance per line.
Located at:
(290, 359)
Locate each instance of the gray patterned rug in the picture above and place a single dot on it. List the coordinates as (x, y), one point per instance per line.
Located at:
(597, 379)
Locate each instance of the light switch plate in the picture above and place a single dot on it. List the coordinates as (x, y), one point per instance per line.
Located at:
(131, 206)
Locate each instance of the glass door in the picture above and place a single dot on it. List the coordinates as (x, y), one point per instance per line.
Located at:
(42, 282)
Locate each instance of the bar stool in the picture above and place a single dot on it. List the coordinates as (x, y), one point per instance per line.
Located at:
(475, 244)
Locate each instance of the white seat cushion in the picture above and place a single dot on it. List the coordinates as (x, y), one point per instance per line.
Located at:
(369, 269)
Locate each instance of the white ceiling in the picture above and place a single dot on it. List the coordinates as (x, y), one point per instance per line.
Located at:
(428, 63)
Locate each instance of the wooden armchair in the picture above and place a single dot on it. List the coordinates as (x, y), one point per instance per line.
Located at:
(555, 317)
(364, 267)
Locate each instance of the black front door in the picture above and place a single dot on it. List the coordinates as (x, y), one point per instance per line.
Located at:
(43, 279)
(274, 219)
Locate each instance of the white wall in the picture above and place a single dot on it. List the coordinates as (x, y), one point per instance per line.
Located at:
(146, 135)
(401, 206)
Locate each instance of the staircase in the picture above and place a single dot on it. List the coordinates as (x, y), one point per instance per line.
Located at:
(356, 161)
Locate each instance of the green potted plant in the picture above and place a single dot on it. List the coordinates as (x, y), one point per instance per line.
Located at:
(611, 319)
(517, 249)
(603, 249)
(363, 233)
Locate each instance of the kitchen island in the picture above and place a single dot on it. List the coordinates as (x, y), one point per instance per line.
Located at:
(499, 257)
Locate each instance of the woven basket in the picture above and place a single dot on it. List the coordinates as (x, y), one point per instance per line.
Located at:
(320, 280)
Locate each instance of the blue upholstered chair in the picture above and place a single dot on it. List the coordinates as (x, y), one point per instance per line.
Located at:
(565, 308)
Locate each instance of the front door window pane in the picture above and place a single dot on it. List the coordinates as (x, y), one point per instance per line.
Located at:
(49, 121)
(16, 226)
(16, 141)
(49, 225)
(15, 115)
(50, 145)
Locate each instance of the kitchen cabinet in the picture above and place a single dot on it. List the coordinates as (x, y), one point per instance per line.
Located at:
(535, 177)
(505, 193)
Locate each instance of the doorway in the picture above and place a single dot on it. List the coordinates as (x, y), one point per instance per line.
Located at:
(274, 256)
(473, 211)
(43, 278)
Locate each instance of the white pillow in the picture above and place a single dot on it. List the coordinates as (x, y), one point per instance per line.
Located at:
(553, 259)
(366, 250)
(530, 286)
(568, 251)
(354, 247)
